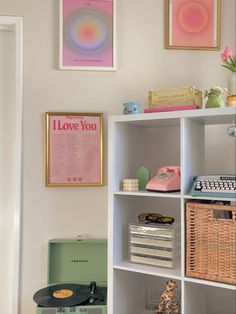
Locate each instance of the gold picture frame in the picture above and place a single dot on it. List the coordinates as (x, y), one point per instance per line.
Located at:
(74, 149)
(202, 31)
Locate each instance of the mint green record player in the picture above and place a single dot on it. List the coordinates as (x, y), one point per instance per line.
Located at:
(76, 269)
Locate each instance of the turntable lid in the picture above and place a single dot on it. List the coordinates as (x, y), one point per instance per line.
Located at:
(77, 261)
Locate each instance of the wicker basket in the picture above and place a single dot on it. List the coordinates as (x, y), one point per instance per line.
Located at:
(175, 97)
(211, 242)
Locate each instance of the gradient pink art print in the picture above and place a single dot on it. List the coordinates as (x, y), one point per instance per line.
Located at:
(193, 23)
(87, 33)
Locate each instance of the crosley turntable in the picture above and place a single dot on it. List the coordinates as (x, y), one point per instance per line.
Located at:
(77, 278)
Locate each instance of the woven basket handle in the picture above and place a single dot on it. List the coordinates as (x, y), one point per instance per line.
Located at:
(223, 214)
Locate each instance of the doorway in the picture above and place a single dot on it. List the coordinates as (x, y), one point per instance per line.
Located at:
(10, 160)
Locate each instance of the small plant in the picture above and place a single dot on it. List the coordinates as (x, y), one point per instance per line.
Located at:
(229, 60)
(217, 91)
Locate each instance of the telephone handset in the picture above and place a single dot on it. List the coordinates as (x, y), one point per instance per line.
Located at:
(167, 179)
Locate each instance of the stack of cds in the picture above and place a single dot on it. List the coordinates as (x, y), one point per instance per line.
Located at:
(153, 244)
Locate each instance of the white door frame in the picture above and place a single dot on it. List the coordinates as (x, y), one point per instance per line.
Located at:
(13, 23)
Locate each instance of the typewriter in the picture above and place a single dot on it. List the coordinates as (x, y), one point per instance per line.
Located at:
(217, 185)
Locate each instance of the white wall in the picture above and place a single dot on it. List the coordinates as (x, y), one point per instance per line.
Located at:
(144, 64)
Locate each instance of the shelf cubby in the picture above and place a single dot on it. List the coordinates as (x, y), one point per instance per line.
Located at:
(207, 299)
(202, 144)
(140, 292)
(127, 209)
(144, 145)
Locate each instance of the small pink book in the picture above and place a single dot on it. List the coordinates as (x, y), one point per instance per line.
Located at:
(173, 108)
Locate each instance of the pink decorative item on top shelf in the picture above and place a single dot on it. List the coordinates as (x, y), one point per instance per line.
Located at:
(174, 108)
(229, 62)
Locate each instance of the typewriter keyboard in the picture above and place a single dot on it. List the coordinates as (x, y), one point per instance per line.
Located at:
(216, 184)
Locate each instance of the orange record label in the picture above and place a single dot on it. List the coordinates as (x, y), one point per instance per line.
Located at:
(62, 294)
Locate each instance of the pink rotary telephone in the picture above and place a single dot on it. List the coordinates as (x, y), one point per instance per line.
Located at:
(167, 179)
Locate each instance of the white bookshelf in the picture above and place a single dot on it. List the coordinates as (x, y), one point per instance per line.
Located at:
(155, 140)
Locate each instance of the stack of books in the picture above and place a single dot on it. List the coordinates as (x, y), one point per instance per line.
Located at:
(171, 108)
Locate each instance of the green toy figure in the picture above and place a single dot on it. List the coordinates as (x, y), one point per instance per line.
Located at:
(143, 178)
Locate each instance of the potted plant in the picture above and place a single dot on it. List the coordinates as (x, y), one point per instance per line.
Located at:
(229, 62)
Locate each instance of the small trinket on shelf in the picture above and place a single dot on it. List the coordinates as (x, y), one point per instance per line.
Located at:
(155, 218)
(131, 108)
(169, 300)
(215, 97)
(130, 185)
(231, 101)
(143, 178)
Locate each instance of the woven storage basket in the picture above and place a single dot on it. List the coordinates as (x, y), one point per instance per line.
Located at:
(211, 242)
(175, 97)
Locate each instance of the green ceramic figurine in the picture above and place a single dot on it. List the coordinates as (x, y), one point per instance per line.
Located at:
(143, 178)
(215, 97)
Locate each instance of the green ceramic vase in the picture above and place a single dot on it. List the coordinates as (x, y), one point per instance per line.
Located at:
(215, 101)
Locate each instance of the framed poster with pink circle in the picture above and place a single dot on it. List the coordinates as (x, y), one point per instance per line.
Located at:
(87, 35)
(193, 24)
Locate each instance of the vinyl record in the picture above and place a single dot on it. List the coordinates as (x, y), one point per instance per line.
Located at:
(62, 295)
